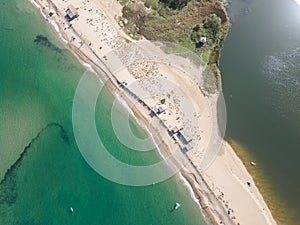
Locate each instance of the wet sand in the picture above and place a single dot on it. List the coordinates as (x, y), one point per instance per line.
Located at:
(222, 186)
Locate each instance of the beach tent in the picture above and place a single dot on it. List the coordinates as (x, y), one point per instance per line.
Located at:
(162, 108)
(174, 130)
(71, 13)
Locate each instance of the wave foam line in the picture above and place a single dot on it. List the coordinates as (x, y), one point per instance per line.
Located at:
(88, 67)
(51, 22)
(127, 107)
(190, 189)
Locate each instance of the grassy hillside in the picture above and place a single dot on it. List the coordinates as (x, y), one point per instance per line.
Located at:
(180, 21)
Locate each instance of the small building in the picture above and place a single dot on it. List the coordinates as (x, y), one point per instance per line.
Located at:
(161, 108)
(184, 137)
(175, 130)
(187, 147)
(71, 13)
(203, 40)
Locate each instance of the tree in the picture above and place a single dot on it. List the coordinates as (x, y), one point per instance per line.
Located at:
(195, 36)
(175, 4)
(212, 23)
(210, 28)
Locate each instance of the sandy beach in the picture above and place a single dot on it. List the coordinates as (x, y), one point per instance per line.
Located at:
(226, 191)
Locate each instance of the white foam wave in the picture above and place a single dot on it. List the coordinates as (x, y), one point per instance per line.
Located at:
(124, 104)
(189, 187)
(120, 100)
(52, 22)
(88, 66)
(36, 5)
(156, 145)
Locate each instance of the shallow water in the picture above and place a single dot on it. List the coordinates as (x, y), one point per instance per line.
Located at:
(37, 85)
(261, 79)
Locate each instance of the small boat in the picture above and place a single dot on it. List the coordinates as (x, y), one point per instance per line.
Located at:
(177, 205)
(71, 209)
(253, 163)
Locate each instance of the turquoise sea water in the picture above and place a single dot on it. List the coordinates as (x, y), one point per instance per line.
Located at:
(37, 85)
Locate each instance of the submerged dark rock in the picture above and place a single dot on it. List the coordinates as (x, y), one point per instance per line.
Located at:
(8, 193)
(42, 40)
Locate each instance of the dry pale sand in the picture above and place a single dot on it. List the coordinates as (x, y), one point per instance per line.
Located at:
(227, 174)
(221, 185)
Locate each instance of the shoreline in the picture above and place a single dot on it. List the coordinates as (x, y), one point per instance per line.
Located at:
(264, 186)
(187, 175)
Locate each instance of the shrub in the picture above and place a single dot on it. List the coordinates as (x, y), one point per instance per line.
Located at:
(175, 4)
(153, 4)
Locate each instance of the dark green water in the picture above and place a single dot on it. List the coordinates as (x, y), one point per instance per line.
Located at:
(37, 85)
(260, 65)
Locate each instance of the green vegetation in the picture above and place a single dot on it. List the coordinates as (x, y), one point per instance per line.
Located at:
(209, 28)
(153, 4)
(175, 4)
(180, 21)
